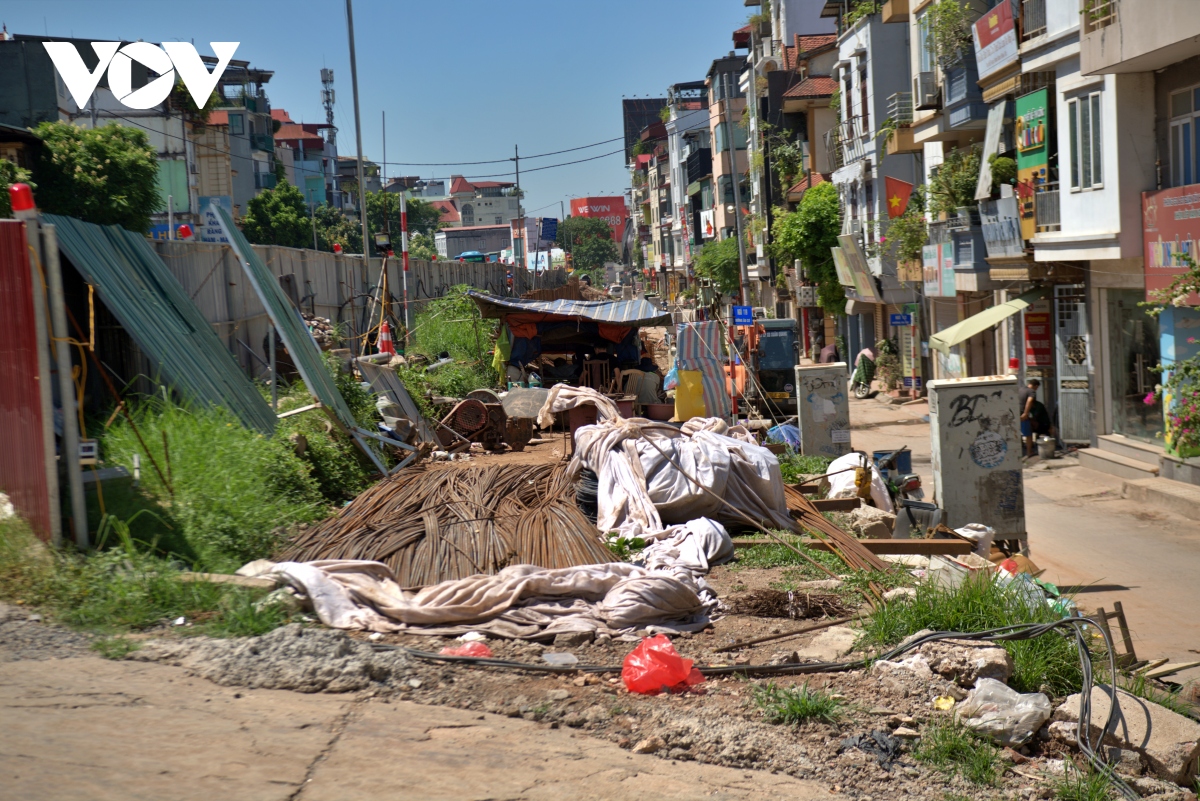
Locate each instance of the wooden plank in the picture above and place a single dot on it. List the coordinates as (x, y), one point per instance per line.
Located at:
(921, 547)
(307, 408)
(836, 504)
(1171, 669)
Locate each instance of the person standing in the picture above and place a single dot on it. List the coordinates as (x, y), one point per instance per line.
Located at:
(1027, 401)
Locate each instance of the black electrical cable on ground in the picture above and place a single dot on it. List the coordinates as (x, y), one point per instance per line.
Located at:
(1023, 631)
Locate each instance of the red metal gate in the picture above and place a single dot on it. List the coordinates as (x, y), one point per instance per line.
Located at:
(22, 455)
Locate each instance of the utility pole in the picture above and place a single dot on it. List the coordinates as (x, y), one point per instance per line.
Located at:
(312, 214)
(362, 184)
(521, 217)
(744, 275)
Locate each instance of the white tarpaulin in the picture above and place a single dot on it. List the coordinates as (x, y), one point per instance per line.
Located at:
(648, 472)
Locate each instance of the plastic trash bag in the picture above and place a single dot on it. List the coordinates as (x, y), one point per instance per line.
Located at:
(654, 665)
(470, 649)
(671, 381)
(998, 711)
(787, 434)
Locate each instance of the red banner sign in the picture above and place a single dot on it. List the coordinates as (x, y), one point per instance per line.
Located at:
(1170, 230)
(610, 209)
(1039, 350)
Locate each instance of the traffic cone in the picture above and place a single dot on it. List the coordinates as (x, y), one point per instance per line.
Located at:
(385, 339)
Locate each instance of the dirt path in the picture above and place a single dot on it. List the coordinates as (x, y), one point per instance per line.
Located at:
(84, 727)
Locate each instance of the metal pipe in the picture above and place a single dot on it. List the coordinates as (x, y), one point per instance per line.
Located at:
(362, 184)
(66, 388)
(42, 335)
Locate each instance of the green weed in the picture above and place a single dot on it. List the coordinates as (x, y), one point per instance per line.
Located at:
(1048, 663)
(233, 488)
(779, 555)
(123, 589)
(625, 547)
(952, 748)
(795, 467)
(1077, 785)
(115, 647)
(793, 706)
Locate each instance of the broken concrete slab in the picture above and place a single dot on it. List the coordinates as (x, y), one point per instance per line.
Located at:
(966, 662)
(1169, 742)
(829, 645)
(872, 523)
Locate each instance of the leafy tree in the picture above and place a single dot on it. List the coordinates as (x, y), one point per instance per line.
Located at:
(280, 171)
(10, 174)
(278, 216)
(422, 246)
(718, 262)
(106, 175)
(589, 241)
(808, 234)
(333, 226)
(384, 208)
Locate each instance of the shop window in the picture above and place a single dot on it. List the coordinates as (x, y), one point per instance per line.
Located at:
(1083, 125)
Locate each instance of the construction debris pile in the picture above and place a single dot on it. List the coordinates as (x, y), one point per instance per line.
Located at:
(447, 521)
(322, 331)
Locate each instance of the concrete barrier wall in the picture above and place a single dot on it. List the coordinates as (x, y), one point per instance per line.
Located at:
(339, 287)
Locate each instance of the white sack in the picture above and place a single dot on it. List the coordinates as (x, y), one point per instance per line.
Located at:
(842, 484)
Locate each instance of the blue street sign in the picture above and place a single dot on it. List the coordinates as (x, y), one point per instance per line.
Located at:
(900, 320)
(743, 315)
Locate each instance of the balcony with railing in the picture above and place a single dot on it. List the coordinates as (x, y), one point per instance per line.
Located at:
(845, 143)
(964, 100)
(1033, 19)
(263, 142)
(1097, 14)
(1046, 209)
(900, 113)
(1001, 223)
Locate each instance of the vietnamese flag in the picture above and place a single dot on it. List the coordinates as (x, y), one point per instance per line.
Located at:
(898, 193)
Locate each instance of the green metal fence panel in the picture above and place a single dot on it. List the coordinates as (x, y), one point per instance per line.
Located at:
(153, 308)
(292, 330)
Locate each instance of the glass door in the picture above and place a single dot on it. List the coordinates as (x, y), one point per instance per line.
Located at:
(1133, 350)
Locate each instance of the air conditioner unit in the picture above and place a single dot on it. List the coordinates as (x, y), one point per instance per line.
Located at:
(925, 91)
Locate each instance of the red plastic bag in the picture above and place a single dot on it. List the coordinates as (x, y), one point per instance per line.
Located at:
(470, 649)
(654, 665)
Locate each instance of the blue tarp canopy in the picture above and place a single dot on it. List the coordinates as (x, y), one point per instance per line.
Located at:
(614, 312)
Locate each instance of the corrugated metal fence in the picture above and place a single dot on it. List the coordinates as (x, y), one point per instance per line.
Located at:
(327, 285)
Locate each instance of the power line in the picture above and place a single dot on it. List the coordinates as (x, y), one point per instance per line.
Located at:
(231, 154)
(497, 161)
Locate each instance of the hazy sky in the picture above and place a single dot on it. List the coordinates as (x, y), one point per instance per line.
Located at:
(460, 81)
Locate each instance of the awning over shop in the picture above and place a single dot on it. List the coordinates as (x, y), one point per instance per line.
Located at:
(616, 312)
(958, 333)
(158, 315)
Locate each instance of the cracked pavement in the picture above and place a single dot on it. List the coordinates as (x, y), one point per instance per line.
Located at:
(84, 727)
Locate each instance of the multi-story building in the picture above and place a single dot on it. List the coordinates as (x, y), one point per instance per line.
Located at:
(245, 110)
(314, 155)
(347, 171)
(727, 101)
(871, 70)
(1128, 133)
(688, 112)
(484, 202)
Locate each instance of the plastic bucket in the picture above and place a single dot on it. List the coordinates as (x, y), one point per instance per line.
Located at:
(1046, 447)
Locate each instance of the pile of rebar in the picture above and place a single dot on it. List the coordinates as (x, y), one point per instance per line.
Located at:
(450, 520)
(845, 545)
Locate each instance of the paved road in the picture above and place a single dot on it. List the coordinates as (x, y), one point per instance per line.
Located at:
(1085, 536)
(85, 728)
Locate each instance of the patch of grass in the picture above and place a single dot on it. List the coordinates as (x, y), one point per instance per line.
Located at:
(1046, 664)
(123, 589)
(233, 488)
(778, 555)
(793, 466)
(953, 749)
(115, 647)
(1078, 785)
(796, 705)
(625, 547)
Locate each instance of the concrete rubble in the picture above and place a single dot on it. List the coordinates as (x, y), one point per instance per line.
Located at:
(872, 523)
(1169, 742)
